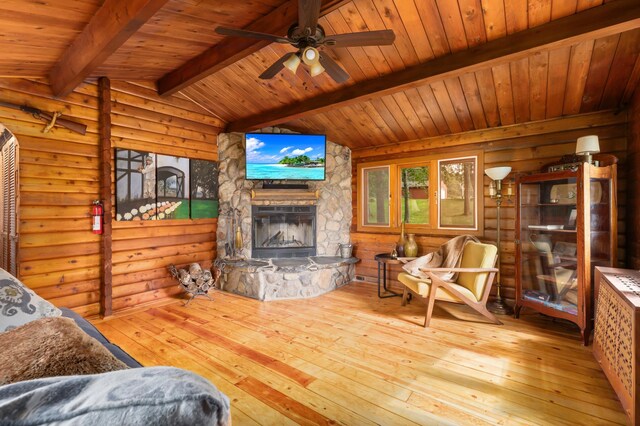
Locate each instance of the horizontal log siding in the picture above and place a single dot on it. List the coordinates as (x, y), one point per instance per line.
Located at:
(59, 257)
(142, 250)
(526, 148)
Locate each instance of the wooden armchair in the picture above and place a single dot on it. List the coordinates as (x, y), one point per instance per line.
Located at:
(472, 287)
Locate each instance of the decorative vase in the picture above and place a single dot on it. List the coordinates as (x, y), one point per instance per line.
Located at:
(401, 242)
(410, 246)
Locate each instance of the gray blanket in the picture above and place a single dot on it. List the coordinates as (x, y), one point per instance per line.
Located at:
(141, 396)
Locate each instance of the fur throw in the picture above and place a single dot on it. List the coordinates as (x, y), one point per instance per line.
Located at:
(52, 347)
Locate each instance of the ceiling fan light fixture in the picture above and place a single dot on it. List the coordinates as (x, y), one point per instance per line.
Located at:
(292, 62)
(310, 56)
(316, 69)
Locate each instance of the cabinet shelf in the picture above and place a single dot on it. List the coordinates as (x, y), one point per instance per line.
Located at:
(548, 205)
(561, 231)
(562, 306)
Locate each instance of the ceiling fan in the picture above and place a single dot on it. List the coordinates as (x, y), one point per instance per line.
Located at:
(307, 36)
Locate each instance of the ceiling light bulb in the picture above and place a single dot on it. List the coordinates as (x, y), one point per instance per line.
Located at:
(292, 62)
(310, 56)
(316, 69)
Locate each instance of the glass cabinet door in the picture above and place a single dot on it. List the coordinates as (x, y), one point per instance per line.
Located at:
(600, 232)
(548, 244)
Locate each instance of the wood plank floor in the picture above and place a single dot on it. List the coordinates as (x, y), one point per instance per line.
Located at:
(350, 358)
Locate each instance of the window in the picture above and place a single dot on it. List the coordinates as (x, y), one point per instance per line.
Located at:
(457, 207)
(376, 192)
(429, 194)
(414, 193)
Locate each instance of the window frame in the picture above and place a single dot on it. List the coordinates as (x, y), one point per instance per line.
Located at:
(364, 197)
(477, 207)
(395, 194)
(432, 205)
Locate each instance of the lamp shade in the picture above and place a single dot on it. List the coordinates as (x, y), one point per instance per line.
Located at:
(292, 62)
(316, 69)
(587, 145)
(310, 56)
(498, 173)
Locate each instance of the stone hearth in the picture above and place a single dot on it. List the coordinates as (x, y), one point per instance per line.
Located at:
(278, 279)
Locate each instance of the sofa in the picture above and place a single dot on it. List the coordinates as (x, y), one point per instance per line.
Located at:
(57, 368)
(89, 328)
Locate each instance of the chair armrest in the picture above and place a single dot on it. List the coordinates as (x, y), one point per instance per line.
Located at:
(459, 269)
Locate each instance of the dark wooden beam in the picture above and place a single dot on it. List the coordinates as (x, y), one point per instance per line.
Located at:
(110, 28)
(611, 18)
(106, 155)
(232, 49)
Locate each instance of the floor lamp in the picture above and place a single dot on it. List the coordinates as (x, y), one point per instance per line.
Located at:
(497, 174)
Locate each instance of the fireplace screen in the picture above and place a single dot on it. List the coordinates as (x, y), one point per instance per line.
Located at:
(283, 231)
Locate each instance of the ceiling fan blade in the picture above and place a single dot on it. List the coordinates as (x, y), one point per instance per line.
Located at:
(236, 32)
(367, 38)
(308, 14)
(332, 68)
(275, 68)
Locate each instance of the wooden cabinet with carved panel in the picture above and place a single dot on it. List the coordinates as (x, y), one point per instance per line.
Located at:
(566, 225)
(617, 333)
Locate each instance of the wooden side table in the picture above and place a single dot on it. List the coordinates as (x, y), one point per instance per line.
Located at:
(383, 260)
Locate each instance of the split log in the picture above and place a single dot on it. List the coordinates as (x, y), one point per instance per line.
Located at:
(271, 240)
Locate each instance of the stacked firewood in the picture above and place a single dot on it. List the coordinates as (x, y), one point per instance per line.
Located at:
(195, 281)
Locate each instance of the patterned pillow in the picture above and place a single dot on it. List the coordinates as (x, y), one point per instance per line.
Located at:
(20, 305)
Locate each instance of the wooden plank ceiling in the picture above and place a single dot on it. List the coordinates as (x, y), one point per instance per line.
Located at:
(589, 75)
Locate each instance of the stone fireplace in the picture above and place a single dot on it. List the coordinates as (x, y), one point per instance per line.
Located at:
(283, 231)
(289, 240)
(332, 200)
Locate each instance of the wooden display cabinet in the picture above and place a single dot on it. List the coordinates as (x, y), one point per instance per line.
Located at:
(566, 225)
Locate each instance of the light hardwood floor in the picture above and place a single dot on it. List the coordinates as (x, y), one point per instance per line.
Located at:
(350, 358)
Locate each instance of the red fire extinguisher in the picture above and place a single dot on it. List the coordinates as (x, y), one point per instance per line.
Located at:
(97, 212)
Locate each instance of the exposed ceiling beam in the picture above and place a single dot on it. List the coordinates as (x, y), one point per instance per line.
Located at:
(611, 18)
(110, 28)
(233, 49)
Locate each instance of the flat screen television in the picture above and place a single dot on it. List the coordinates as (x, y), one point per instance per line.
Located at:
(285, 156)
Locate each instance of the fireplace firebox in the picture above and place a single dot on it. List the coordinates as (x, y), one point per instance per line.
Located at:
(283, 231)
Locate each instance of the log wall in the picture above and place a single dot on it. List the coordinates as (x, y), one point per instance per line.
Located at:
(59, 256)
(633, 195)
(526, 148)
(142, 250)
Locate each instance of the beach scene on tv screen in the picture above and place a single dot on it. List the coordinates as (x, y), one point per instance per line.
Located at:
(285, 156)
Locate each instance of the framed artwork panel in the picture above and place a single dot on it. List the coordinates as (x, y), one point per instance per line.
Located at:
(204, 189)
(135, 184)
(172, 187)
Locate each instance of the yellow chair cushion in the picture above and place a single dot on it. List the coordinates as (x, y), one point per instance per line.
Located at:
(422, 286)
(476, 255)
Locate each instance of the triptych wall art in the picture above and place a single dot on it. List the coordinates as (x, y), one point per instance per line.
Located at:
(162, 187)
